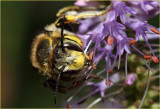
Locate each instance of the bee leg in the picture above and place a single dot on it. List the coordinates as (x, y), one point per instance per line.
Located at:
(95, 76)
(78, 83)
(57, 84)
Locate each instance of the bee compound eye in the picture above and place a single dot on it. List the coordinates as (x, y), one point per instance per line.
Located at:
(72, 46)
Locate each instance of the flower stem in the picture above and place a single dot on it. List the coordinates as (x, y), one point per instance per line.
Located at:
(126, 65)
(144, 96)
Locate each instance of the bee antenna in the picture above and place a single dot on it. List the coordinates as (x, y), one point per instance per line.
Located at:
(62, 28)
(57, 84)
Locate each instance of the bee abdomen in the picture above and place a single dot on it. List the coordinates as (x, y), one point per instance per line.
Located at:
(42, 47)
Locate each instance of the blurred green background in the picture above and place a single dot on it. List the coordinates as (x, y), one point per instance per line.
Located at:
(22, 85)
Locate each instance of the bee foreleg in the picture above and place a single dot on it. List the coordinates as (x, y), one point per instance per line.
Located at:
(57, 84)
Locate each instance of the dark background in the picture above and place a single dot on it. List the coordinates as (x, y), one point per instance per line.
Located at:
(22, 85)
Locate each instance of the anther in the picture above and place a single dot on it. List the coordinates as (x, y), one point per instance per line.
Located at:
(91, 55)
(155, 59)
(154, 30)
(147, 57)
(110, 40)
(110, 71)
(92, 64)
(132, 42)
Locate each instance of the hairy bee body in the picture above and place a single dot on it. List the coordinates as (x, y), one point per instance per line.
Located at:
(49, 58)
(58, 53)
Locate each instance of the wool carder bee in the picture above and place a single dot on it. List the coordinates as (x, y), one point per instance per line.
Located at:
(58, 53)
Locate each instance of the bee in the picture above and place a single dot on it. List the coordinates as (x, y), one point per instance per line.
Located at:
(58, 53)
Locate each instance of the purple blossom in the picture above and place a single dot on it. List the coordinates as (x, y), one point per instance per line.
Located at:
(96, 31)
(107, 37)
(145, 9)
(121, 9)
(102, 87)
(111, 27)
(140, 28)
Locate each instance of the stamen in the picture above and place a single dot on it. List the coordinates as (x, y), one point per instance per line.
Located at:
(89, 73)
(85, 51)
(99, 99)
(106, 79)
(87, 96)
(92, 64)
(91, 59)
(155, 45)
(70, 98)
(94, 103)
(107, 67)
(144, 96)
(82, 101)
(148, 66)
(119, 61)
(148, 45)
(126, 66)
(115, 59)
(137, 50)
(147, 57)
(154, 30)
(91, 55)
(155, 59)
(156, 50)
(110, 40)
(99, 58)
(132, 42)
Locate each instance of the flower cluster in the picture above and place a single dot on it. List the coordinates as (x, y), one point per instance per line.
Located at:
(114, 34)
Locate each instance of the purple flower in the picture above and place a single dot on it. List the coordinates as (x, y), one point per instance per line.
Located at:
(130, 79)
(86, 25)
(121, 9)
(107, 36)
(101, 87)
(140, 28)
(145, 9)
(96, 31)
